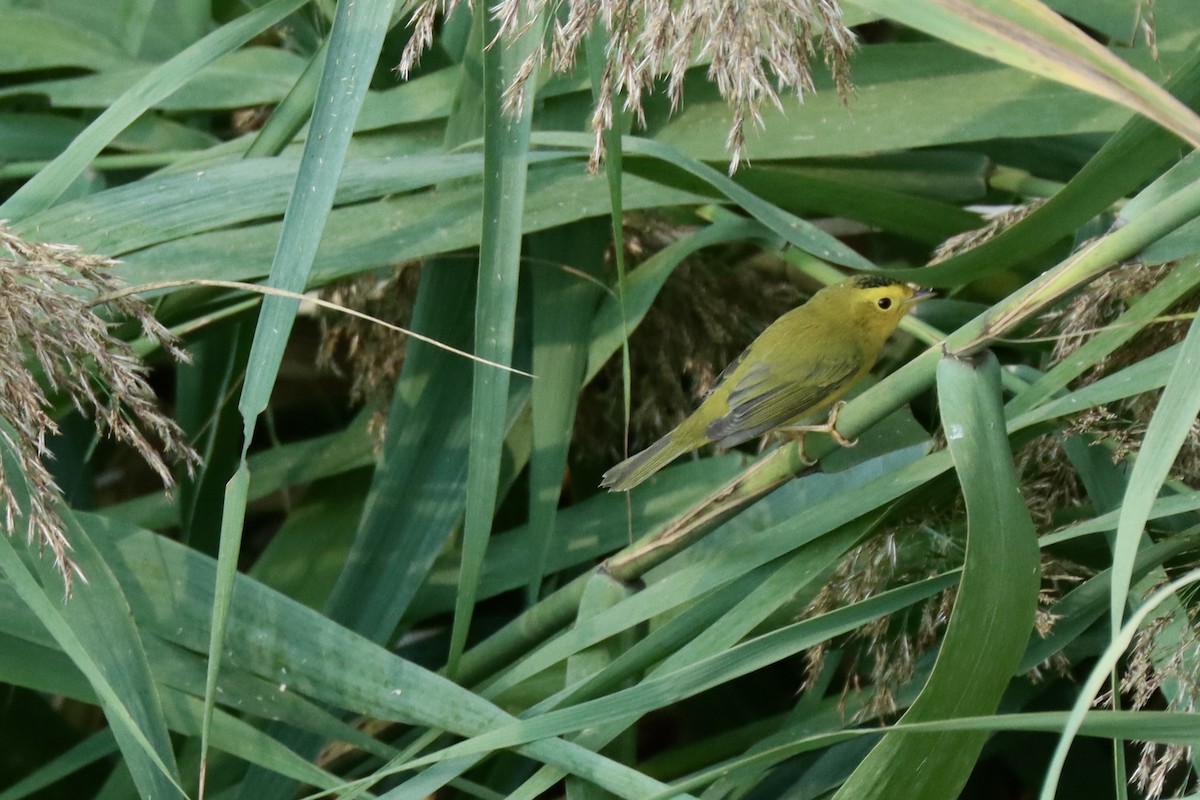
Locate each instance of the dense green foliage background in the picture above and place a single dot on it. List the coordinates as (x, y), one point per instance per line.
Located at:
(455, 610)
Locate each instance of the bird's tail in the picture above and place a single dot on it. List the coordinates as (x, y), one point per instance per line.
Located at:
(635, 469)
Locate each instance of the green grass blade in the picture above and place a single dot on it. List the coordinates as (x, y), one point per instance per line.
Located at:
(233, 514)
(505, 161)
(792, 229)
(425, 458)
(353, 52)
(1173, 419)
(288, 117)
(993, 613)
(626, 705)
(1134, 155)
(1101, 673)
(355, 43)
(597, 59)
(602, 592)
(101, 744)
(49, 184)
(1027, 35)
(564, 305)
(98, 636)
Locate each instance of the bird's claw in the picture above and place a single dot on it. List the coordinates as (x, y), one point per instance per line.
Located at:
(797, 433)
(830, 426)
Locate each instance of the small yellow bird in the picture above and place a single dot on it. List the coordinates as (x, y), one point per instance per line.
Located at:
(803, 362)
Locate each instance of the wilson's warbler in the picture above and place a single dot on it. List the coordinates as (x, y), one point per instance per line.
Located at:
(803, 362)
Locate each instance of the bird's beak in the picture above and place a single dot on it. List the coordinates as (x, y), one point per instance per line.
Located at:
(920, 294)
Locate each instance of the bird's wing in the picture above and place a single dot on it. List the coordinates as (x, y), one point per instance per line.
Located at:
(763, 398)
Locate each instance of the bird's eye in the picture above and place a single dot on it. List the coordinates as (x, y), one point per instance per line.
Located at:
(885, 303)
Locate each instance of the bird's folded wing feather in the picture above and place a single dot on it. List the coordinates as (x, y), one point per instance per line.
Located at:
(765, 397)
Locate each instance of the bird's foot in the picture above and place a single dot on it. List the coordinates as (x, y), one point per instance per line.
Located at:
(829, 427)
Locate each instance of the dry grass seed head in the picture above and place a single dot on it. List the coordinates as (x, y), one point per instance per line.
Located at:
(47, 317)
(1164, 661)
(372, 354)
(756, 49)
(883, 654)
(969, 240)
(1100, 303)
(1049, 483)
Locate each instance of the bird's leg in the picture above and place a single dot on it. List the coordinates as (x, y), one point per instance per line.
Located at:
(829, 426)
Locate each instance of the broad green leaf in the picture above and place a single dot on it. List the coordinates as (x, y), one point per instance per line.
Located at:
(34, 40)
(1027, 35)
(906, 96)
(416, 490)
(993, 611)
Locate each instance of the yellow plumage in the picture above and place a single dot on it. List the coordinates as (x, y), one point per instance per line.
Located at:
(802, 363)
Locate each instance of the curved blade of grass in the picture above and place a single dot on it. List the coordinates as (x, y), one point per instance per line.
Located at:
(94, 747)
(168, 586)
(1027, 35)
(505, 161)
(993, 613)
(1173, 419)
(1102, 672)
(1133, 156)
(41, 191)
(800, 191)
(292, 112)
(792, 229)
(355, 43)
